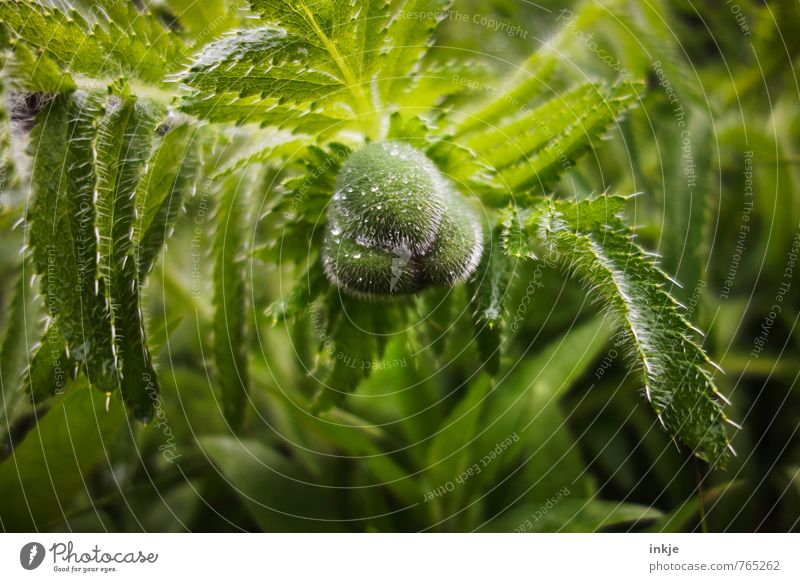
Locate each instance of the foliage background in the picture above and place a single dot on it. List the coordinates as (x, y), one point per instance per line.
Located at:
(579, 449)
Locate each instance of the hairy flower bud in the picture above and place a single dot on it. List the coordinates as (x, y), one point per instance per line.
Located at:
(396, 225)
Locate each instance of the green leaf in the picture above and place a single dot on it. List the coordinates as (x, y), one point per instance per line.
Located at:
(52, 464)
(26, 71)
(526, 404)
(279, 497)
(489, 288)
(172, 173)
(352, 336)
(121, 41)
(265, 61)
(412, 130)
(14, 348)
(265, 111)
(62, 234)
(626, 279)
(565, 515)
(448, 453)
(299, 299)
(513, 236)
(230, 306)
(125, 137)
(205, 19)
(409, 33)
(508, 143)
(273, 149)
(527, 83)
(351, 32)
(594, 117)
(50, 368)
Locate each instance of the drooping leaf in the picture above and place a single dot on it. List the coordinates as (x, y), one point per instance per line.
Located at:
(230, 315)
(124, 143)
(62, 235)
(50, 368)
(172, 173)
(661, 342)
(489, 288)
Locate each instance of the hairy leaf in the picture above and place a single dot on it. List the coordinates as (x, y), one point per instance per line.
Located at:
(172, 173)
(27, 71)
(408, 35)
(660, 340)
(489, 287)
(113, 39)
(591, 120)
(50, 368)
(124, 141)
(62, 231)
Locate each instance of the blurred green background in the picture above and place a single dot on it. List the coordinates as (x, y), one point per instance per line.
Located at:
(560, 439)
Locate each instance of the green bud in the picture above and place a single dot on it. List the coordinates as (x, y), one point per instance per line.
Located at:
(390, 194)
(396, 225)
(365, 271)
(457, 250)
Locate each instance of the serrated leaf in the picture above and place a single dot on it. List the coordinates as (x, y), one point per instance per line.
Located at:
(513, 235)
(265, 61)
(299, 299)
(27, 71)
(413, 129)
(488, 288)
(353, 335)
(125, 137)
(302, 206)
(408, 35)
(172, 173)
(509, 142)
(265, 111)
(62, 233)
(593, 119)
(275, 149)
(351, 32)
(230, 317)
(50, 368)
(527, 83)
(677, 384)
(114, 39)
